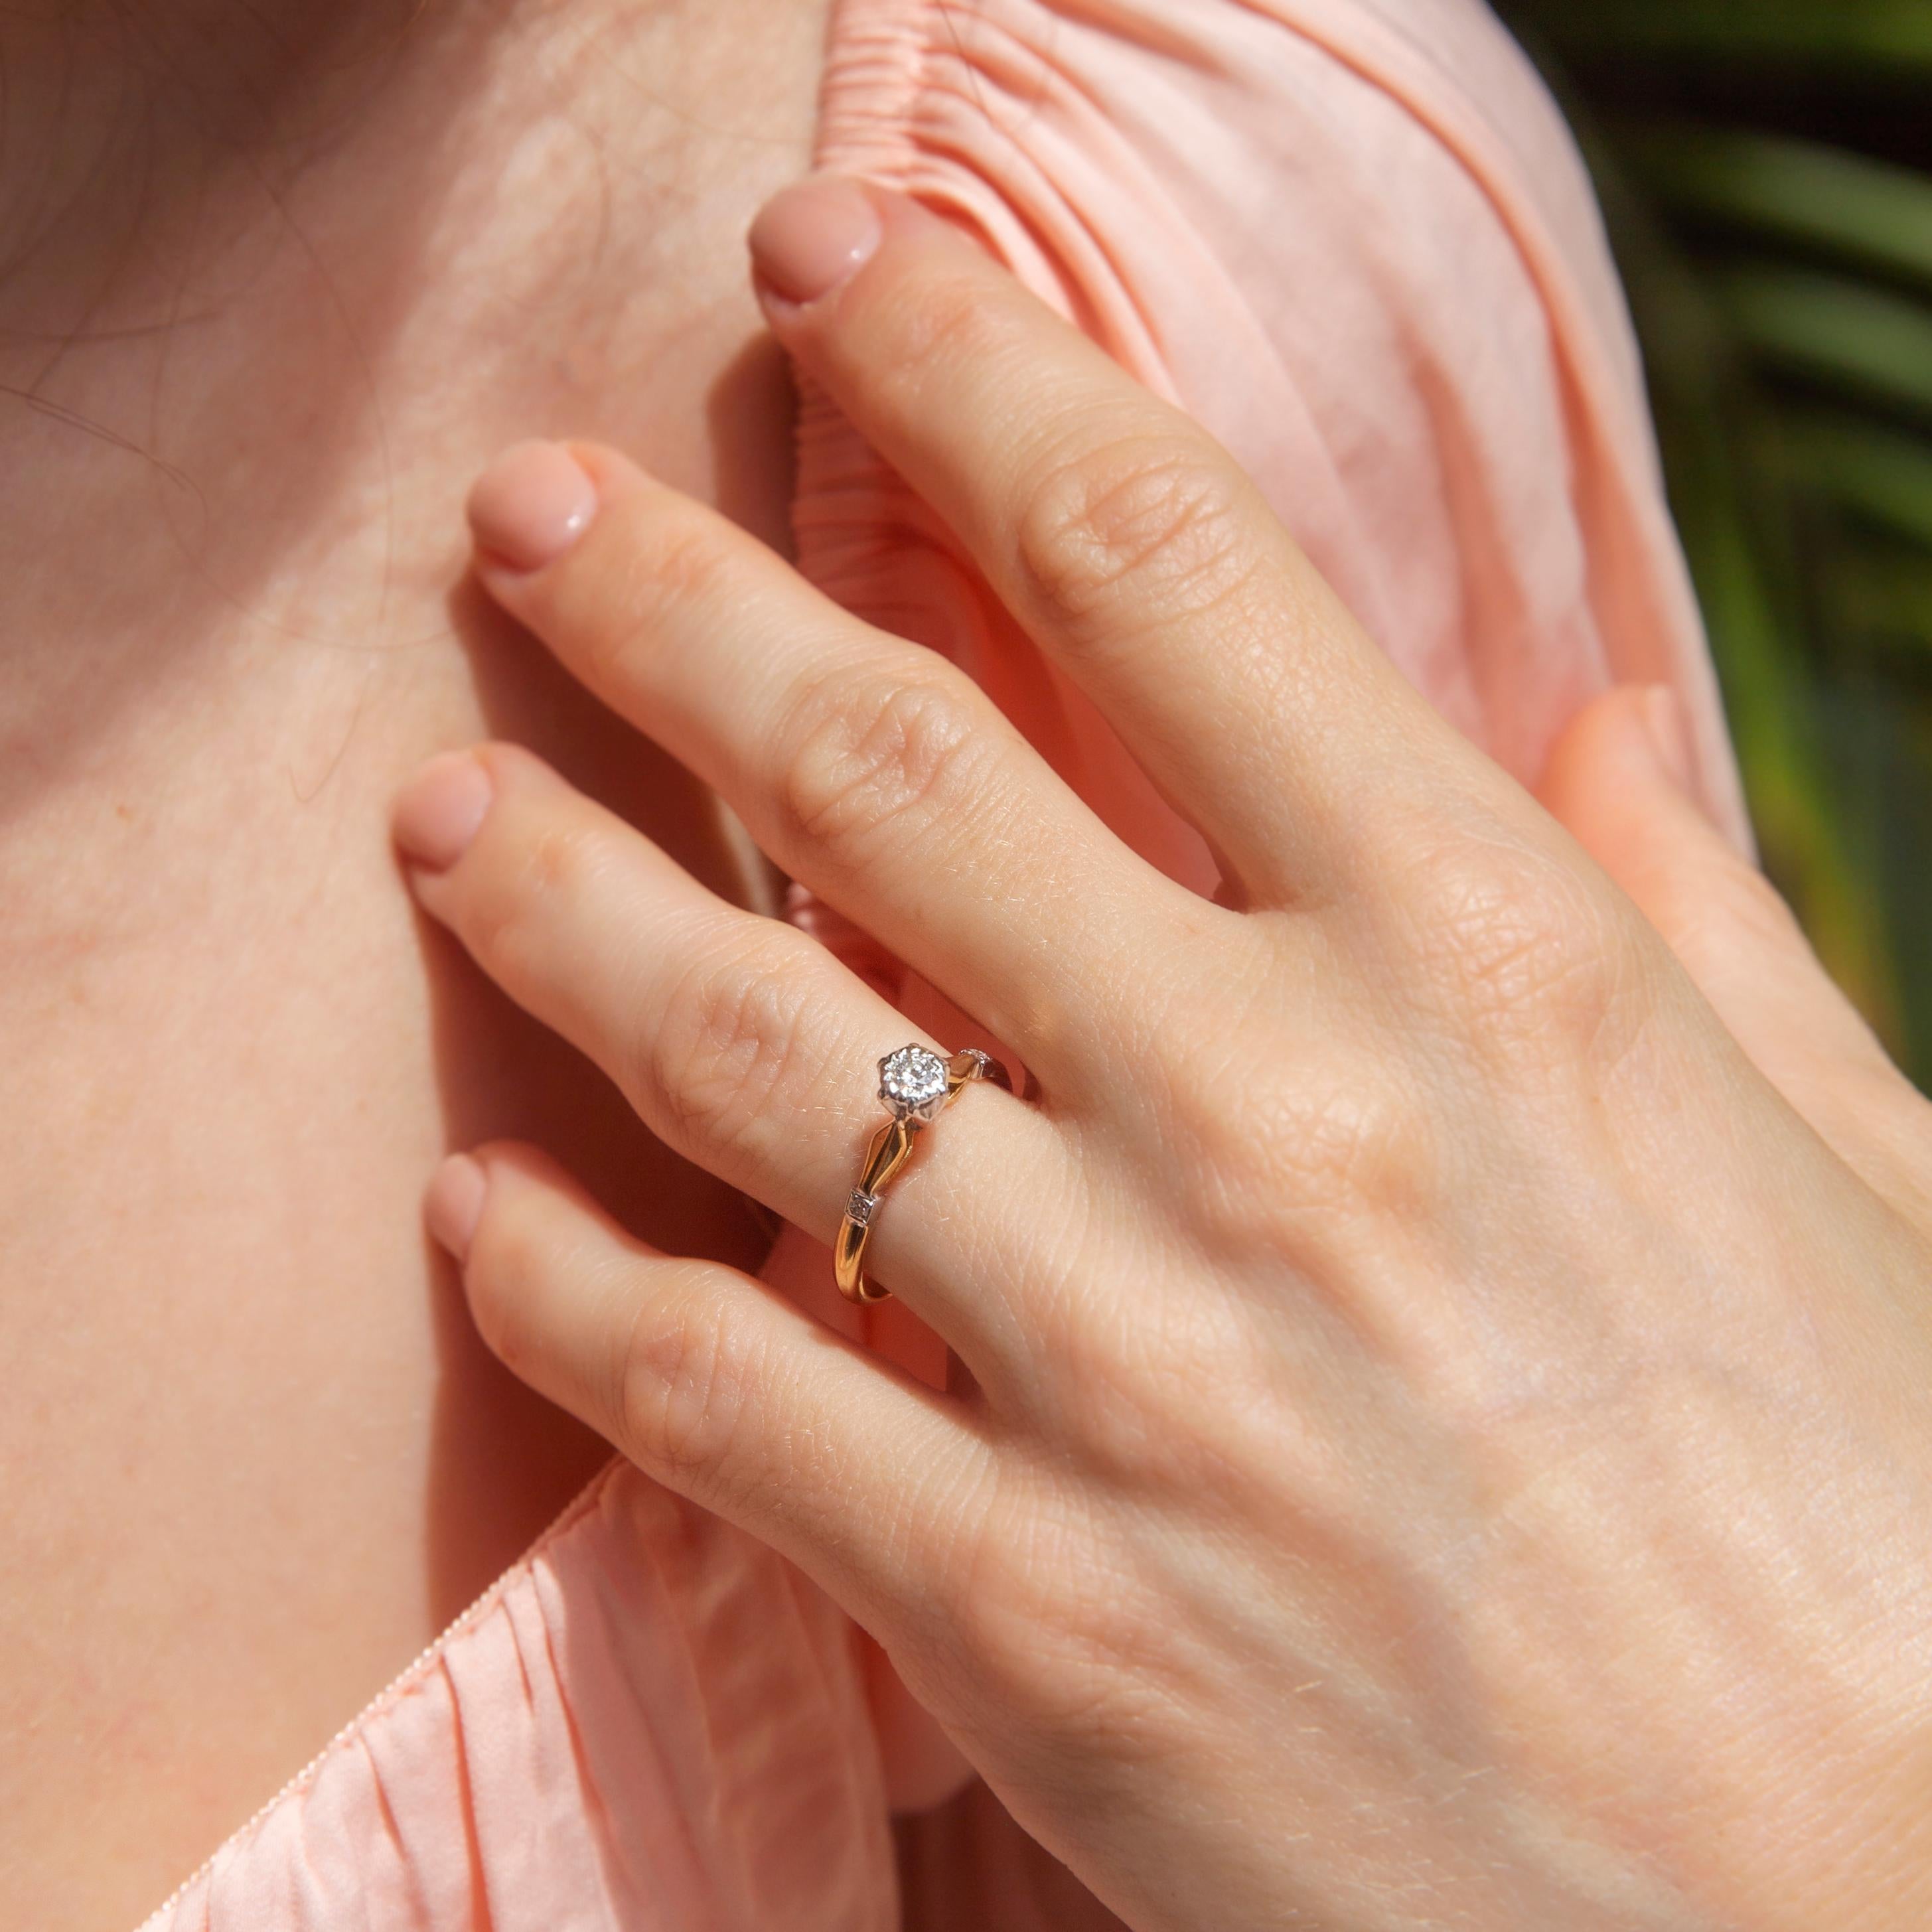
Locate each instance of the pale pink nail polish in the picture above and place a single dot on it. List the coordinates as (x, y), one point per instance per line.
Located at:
(453, 1205)
(437, 813)
(531, 505)
(809, 238)
(1669, 735)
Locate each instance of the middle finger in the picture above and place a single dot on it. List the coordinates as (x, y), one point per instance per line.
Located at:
(866, 766)
(1124, 539)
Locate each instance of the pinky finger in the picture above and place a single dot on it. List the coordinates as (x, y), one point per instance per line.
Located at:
(713, 1383)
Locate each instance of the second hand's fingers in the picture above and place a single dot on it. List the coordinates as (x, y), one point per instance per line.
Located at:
(713, 1384)
(1619, 779)
(1122, 536)
(740, 1041)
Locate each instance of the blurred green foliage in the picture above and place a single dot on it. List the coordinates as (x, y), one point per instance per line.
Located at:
(1766, 167)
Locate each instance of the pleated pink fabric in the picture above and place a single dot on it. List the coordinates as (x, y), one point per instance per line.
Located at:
(1353, 237)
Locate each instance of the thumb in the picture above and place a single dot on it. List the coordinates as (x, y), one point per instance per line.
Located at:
(1619, 779)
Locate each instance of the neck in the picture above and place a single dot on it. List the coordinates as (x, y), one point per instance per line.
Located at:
(274, 278)
(122, 119)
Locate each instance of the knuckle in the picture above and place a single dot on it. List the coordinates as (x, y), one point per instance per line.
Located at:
(1305, 1135)
(547, 869)
(674, 554)
(1526, 947)
(1156, 515)
(877, 756)
(691, 1366)
(723, 1070)
(510, 1255)
(1354, 1138)
(1289, 1112)
(940, 323)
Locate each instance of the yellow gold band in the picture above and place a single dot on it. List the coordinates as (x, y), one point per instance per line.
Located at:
(917, 1084)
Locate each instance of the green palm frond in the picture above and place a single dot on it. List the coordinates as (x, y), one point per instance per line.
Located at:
(1870, 345)
(1848, 35)
(1873, 475)
(1781, 285)
(1777, 188)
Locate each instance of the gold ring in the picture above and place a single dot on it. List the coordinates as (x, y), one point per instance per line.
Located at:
(916, 1084)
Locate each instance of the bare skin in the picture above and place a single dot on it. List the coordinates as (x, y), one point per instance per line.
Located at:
(1442, 1440)
(276, 280)
(269, 301)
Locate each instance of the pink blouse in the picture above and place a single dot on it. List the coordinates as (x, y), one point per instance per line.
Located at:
(1353, 238)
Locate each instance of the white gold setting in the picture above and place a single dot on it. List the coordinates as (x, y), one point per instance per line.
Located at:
(912, 1083)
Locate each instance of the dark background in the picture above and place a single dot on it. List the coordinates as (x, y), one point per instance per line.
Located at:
(1766, 167)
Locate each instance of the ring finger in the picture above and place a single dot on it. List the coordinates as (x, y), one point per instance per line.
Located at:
(740, 1041)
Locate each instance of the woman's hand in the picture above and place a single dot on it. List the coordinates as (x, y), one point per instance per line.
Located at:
(1445, 1439)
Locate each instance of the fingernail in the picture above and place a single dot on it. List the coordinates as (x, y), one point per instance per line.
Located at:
(437, 812)
(453, 1205)
(810, 238)
(1669, 734)
(531, 505)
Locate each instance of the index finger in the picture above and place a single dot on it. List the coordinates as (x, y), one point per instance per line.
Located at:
(1119, 533)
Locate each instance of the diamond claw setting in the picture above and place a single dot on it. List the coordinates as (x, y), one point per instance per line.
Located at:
(912, 1082)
